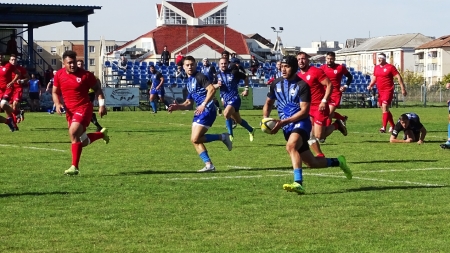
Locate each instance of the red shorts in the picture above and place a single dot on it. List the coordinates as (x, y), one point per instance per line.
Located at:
(319, 117)
(335, 99)
(82, 115)
(385, 97)
(16, 95)
(5, 93)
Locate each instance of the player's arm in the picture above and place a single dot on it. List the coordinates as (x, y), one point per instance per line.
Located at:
(245, 92)
(348, 82)
(16, 77)
(373, 80)
(161, 82)
(184, 106)
(398, 127)
(56, 93)
(48, 86)
(423, 133)
(26, 78)
(402, 85)
(326, 82)
(100, 97)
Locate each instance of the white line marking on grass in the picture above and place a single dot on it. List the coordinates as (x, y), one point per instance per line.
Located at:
(239, 167)
(36, 148)
(384, 171)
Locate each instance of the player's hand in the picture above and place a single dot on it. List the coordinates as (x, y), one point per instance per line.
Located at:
(342, 89)
(420, 142)
(322, 106)
(9, 85)
(58, 108)
(277, 127)
(172, 107)
(369, 87)
(102, 111)
(200, 109)
(404, 93)
(244, 93)
(409, 140)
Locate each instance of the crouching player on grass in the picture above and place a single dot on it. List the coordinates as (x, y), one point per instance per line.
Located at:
(410, 124)
(294, 97)
(73, 84)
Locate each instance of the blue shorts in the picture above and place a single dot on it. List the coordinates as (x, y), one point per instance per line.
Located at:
(160, 92)
(235, 102)
(206, 118)
(304, 124)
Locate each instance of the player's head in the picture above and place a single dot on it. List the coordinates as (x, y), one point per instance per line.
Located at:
(165, 48)
(33, 76)
(279, 65)
(223, 63)
(404, 120)
(303, 60)
(289, 67)
(152, 69)
(13, 59)
(189, 65)
(330, 58)
(205, 62)
(80, 64)
(70, 61)
(381, 57)
(226, 54)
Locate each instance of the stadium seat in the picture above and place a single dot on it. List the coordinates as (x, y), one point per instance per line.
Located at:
(143, 84)
(136, 63)
(172, 64)
(246, 64)
(107, 64)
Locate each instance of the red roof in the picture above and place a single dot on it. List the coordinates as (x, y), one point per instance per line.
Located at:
(184, 7)
(202, 8)
(443, 41)
(158, 7)
(165, 36)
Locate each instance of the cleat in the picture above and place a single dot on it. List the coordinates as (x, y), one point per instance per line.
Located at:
(231, 138)
(208, 168)
(19, 118)
(343, 165)
(234, 125)
(99, 129)
(105, 135)
(10, 123)
(390, 129)
(22, 115)
(445, 145)
(294, 187)
(341, 127)
(72, 171)
(345, 120)
(382, 130)
(220, 112)
(252, 134)
(322, 140)
(228, 141)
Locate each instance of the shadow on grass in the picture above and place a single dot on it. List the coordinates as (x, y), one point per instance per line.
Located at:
(382, 188)
(48, 129)
(219, 171)
(6, 195)
(45, 142)
(394, 161)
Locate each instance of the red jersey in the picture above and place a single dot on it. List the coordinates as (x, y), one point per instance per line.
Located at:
(385, 76)
(23, 72)
(335, 75)
(75, 87)
(313, 77)
(6, 74)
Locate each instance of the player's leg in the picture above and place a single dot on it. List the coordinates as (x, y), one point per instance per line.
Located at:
(296, 139)
(322, 162)
(335, 101)
(236, 116)
(4, 105)
(216, 103)
(227, 113)
(153, 100)
(447, 144)
(337, 125)
(77, 136)
(9, 122)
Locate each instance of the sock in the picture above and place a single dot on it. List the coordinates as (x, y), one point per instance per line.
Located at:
(332, 162)
(338, 116)
(336, 125)
(95, 136)
(298, 175)
(246, 126)
(448, 133)
(229, 124)
(153, 105)
(320, 155)
(205, 157)
(212, 137)
(385, 119)
(391, 119)
(216, 103)
(328, 121)
(54, 108)
(76, 153)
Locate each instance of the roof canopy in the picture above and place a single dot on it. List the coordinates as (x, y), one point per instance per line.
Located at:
(37, 15)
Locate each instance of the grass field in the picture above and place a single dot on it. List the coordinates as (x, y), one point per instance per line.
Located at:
(141, 192)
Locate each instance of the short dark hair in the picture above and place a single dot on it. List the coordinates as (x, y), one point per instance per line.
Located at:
(303, 53)
(69, 53)
(13, 55)
(226, 52)
(403, 117)
(189, 58)
(80, 61)
(332, 54)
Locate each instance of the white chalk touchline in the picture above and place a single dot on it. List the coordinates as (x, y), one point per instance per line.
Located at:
(384, 171)
(36, 148)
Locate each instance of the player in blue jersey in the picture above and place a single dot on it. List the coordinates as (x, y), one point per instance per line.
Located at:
(210, 72)
(447, 144)
(201, 91)
(413, 129)
(228, 81)
(293, 98)
(157, 88)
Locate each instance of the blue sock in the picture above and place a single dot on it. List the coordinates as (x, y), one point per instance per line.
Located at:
(332, 162)
(229, 124)
(153, 104)
(298, 175)
(246, 125)
(54, 109)
(212, 137)
(448, 133)
(205, 157)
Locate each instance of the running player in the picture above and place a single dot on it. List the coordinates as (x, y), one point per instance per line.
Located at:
(73, 84)
(228, 81)
(335, 72)
(383, 76)
(321, 89)
(413, 129)
(157, 89)
(293, 99)
(447, 144)
(7, 80)
(17, 89)
(210, 72)
(201, 91)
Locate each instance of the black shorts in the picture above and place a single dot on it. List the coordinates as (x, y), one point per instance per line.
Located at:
(34, 95)
(305, 137)
(92, 96)
(416, 136)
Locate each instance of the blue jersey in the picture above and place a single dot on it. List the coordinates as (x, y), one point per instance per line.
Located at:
(210, 72)
(289, 94)
(156, 79)
(414, 124)
(34, 85)
(196, 86)
(230, 84)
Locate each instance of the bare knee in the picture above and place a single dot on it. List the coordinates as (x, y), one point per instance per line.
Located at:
(290, 147)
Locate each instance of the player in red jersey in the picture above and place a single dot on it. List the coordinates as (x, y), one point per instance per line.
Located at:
(383, 76)
(17, 89)
(335, 72)
(6, 82)
(73, 84)
(319, 112)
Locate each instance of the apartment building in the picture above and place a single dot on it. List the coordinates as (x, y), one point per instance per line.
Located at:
(432, 59)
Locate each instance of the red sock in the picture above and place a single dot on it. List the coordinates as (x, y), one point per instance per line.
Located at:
(95, 136)
(76, 153)
(391, 119)
(328, 121)
(336, 126)
(338, 116)
(321, 155)
(385, 119)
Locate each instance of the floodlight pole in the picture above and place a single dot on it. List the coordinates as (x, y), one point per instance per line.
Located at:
(278, 52)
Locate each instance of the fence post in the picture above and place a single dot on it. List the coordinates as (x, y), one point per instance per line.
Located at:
(425, 94)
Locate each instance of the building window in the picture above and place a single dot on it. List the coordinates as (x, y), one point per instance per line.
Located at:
(217, 18)
(110, 49)
(91, 62)
(39, 49)
(53, 50)
(172, 18)
(91, 49)
(40, 61)
(66, 49)
(53, 62)
(420, 55)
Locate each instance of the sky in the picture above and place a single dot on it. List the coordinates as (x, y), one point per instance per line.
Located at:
(303, 21)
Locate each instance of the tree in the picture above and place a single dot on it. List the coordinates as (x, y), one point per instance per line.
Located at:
(446, 79)
(411, 78)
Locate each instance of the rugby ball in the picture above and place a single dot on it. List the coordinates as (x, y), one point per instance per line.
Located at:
(267, 124)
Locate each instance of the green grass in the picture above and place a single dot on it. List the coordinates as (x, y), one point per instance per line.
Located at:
(141, 192)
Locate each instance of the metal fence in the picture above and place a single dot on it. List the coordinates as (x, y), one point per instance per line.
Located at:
(421, 95)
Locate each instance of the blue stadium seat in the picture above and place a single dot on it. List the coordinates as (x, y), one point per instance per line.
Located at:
(172, 64)
(107, 64)
(143, 84)
(143, 76)
(246, 64)
(214, 64)
(129, 63)
(241, 83)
